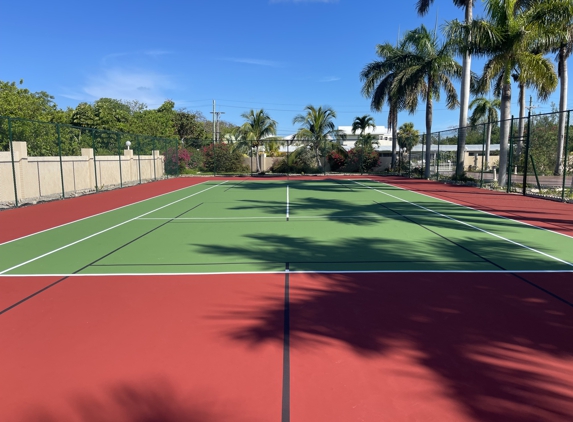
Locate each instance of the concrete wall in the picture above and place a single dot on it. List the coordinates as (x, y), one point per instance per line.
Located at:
(40, 178)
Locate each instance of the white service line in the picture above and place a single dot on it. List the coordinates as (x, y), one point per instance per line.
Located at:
(287, 210)
(108, 229)
(299, 217)
(296, 272)
(100, 213)
(472, 226)
(478, 210)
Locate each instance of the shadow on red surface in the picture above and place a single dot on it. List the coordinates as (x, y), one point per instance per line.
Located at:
(501, 349)
(157, 401)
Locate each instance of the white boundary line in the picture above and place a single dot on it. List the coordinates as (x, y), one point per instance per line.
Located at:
(471, 225)
(298, 272)
(105, 230)
(475, 209)
(103, 212)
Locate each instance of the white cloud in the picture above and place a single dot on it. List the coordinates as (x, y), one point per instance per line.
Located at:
(147, 87)
(330, 79)
(257, 62)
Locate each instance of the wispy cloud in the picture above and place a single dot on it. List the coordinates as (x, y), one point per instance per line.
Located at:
(329, 79)
(257, 62)
(148, 87)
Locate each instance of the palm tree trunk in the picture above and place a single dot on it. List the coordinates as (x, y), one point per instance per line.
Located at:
(562, 107)
(257, 158)
(521, 125)
(464, 98)
(394, 125)
(504, 133)
(428, 130)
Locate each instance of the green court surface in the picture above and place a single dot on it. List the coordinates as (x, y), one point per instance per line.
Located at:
(270, 226)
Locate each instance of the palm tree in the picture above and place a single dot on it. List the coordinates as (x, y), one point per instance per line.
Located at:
(366, 141)
(318, 129)
(515, 28)
(563, 47)
(378, 78)
(407, 137)
(484, 108)
(257, 127)
(362, 124)
(426, 67)
(422, 7)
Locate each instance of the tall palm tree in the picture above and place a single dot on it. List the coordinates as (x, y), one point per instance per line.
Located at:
(427, 67)
(563, 47)
(485, 109)
(257, 127)
(378, 78)
(318, 129)
(515, 28)
(422, 7)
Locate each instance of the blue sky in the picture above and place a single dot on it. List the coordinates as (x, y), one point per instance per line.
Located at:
(280, 55)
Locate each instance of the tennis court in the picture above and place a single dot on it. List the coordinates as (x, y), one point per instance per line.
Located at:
(319, 298)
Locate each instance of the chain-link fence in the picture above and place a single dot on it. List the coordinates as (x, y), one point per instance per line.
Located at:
(41, 161)
(538, 156)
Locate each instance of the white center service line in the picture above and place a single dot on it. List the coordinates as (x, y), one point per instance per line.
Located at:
(470, 225)
(287, 210)
(106, 230)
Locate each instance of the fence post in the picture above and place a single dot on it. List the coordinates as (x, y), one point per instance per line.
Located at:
(510, 158)
(214, 159)
(566, 160)
(324, 158)
(13, 163)
(524, 189)
(482, 155)
(61, 164)
(118, 137)
(177, 156)
(410, 164)
(424, 164)
(138, 146)
(287, 158)
(438, 157)
(95, 163)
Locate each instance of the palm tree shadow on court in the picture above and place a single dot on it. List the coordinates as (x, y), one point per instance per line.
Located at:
(500, 347)
(159, 401)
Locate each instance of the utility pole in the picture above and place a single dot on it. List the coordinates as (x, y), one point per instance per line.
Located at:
(531, 106)
(218, 113)
(216, 119)
(213, 113)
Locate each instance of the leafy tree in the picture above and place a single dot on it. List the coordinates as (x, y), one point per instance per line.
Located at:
(158, 123)
(222, 158)
(190, 128)
(24, 104)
